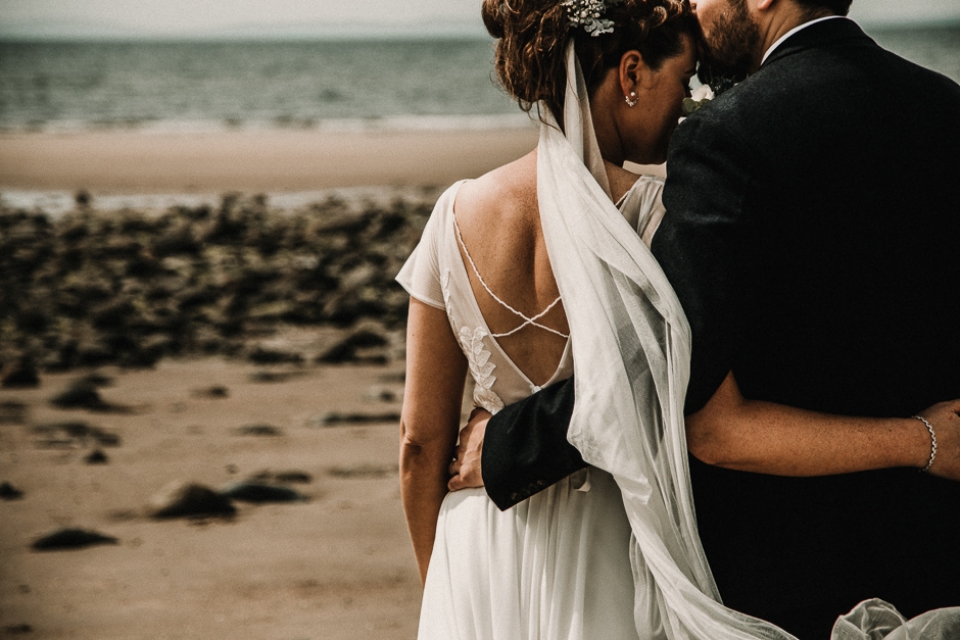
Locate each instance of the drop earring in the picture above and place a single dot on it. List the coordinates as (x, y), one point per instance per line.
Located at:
(631, 99)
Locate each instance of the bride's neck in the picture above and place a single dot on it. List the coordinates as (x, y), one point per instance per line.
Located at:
(602, 105)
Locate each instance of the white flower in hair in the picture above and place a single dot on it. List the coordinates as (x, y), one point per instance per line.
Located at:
(586, 14)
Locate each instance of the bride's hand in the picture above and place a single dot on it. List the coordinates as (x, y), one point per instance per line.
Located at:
(465, 469)
(945, 419)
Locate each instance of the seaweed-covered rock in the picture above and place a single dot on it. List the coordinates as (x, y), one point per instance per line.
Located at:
(259, 430)
(215, 391)
(74, 433)
(260, 492)
(261, 355)
(91, 288)
(355, 347)
(21, 375)
(13, 412)
(97, 456)
(9, 492)
(334, 418)
(282, 477)
(181, 499)
(71, 539)
(80, 394)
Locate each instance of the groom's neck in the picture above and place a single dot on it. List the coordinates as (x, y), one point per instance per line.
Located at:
(776, 18)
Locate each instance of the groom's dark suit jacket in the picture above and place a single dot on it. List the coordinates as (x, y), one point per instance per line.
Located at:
(813, 237)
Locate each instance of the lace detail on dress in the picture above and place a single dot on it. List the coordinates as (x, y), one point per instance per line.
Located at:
(478, 358)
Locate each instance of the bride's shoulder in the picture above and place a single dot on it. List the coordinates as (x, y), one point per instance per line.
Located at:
(624, 182)
(501, 195)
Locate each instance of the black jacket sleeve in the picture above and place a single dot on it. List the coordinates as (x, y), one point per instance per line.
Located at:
(703, 245)
(525, 448)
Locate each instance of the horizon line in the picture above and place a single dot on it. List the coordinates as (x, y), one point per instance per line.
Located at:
(333, 33)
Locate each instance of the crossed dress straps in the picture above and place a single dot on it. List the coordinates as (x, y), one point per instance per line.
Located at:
(527, 321)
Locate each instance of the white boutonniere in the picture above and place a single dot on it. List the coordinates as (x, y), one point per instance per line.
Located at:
(700, 97)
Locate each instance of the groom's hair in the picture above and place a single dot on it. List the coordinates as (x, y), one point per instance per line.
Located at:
(532, 37)
(835, 7)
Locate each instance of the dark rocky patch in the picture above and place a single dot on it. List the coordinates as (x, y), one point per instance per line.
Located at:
(188, 500)
(216, 391)
(81, 394)
(334, 418)
(22, 375)
(382, 394)
(71, 539)
(272, 376)
(97, 379)
(282, 477)
(365, 471)
(366, 344)
(74, 433)
(92, 288)
(97, 456)
(9, 492)
(261, 355)
(13, 412)
(261, 492)
(17, 629)
(259, 430)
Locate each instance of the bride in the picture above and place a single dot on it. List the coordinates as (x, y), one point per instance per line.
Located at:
(528, 273)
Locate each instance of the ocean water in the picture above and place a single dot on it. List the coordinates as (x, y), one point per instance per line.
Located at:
(340, 85)
(331, 85)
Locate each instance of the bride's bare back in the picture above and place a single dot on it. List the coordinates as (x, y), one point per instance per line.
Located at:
(499, 222)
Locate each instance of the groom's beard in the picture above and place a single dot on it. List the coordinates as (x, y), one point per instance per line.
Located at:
(729, 52)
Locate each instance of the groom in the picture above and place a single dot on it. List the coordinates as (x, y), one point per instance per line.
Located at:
(813, 237)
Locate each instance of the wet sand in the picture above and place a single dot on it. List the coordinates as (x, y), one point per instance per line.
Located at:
(251, 161)
(336, 565)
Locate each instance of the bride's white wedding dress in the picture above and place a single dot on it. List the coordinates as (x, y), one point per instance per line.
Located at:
(622, 559)
(556, 566)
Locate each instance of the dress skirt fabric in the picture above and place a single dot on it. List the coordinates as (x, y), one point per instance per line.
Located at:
(555, 567)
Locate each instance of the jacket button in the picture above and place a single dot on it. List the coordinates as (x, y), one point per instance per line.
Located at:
(514, 496)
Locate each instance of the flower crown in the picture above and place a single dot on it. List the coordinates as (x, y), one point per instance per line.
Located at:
(586, 14)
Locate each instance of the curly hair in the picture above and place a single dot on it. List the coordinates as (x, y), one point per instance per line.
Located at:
(532, 36)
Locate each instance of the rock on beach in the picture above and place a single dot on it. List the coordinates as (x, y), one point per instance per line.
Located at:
(71, 539)
(181, 499)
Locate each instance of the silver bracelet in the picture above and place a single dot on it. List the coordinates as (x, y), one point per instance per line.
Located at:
(933, 443)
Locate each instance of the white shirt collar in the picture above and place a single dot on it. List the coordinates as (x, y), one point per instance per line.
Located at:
(793, 31)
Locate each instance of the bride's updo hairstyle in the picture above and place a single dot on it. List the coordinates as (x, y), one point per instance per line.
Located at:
(532, 37)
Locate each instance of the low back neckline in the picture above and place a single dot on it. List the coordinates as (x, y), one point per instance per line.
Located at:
(527, 320)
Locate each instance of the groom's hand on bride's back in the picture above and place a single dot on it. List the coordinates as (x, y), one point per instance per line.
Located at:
(465, 469)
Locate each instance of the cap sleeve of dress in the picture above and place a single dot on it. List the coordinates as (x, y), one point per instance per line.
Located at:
(420, 275)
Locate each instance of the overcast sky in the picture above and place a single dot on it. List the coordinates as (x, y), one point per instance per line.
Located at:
(197, 17)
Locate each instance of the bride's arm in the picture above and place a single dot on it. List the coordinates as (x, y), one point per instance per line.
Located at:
(733, 432)
(436, 370)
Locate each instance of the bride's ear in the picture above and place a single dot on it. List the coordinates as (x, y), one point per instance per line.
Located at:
(634, 74)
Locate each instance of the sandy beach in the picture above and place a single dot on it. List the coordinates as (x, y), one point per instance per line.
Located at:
(336, 563)
(251, 161)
